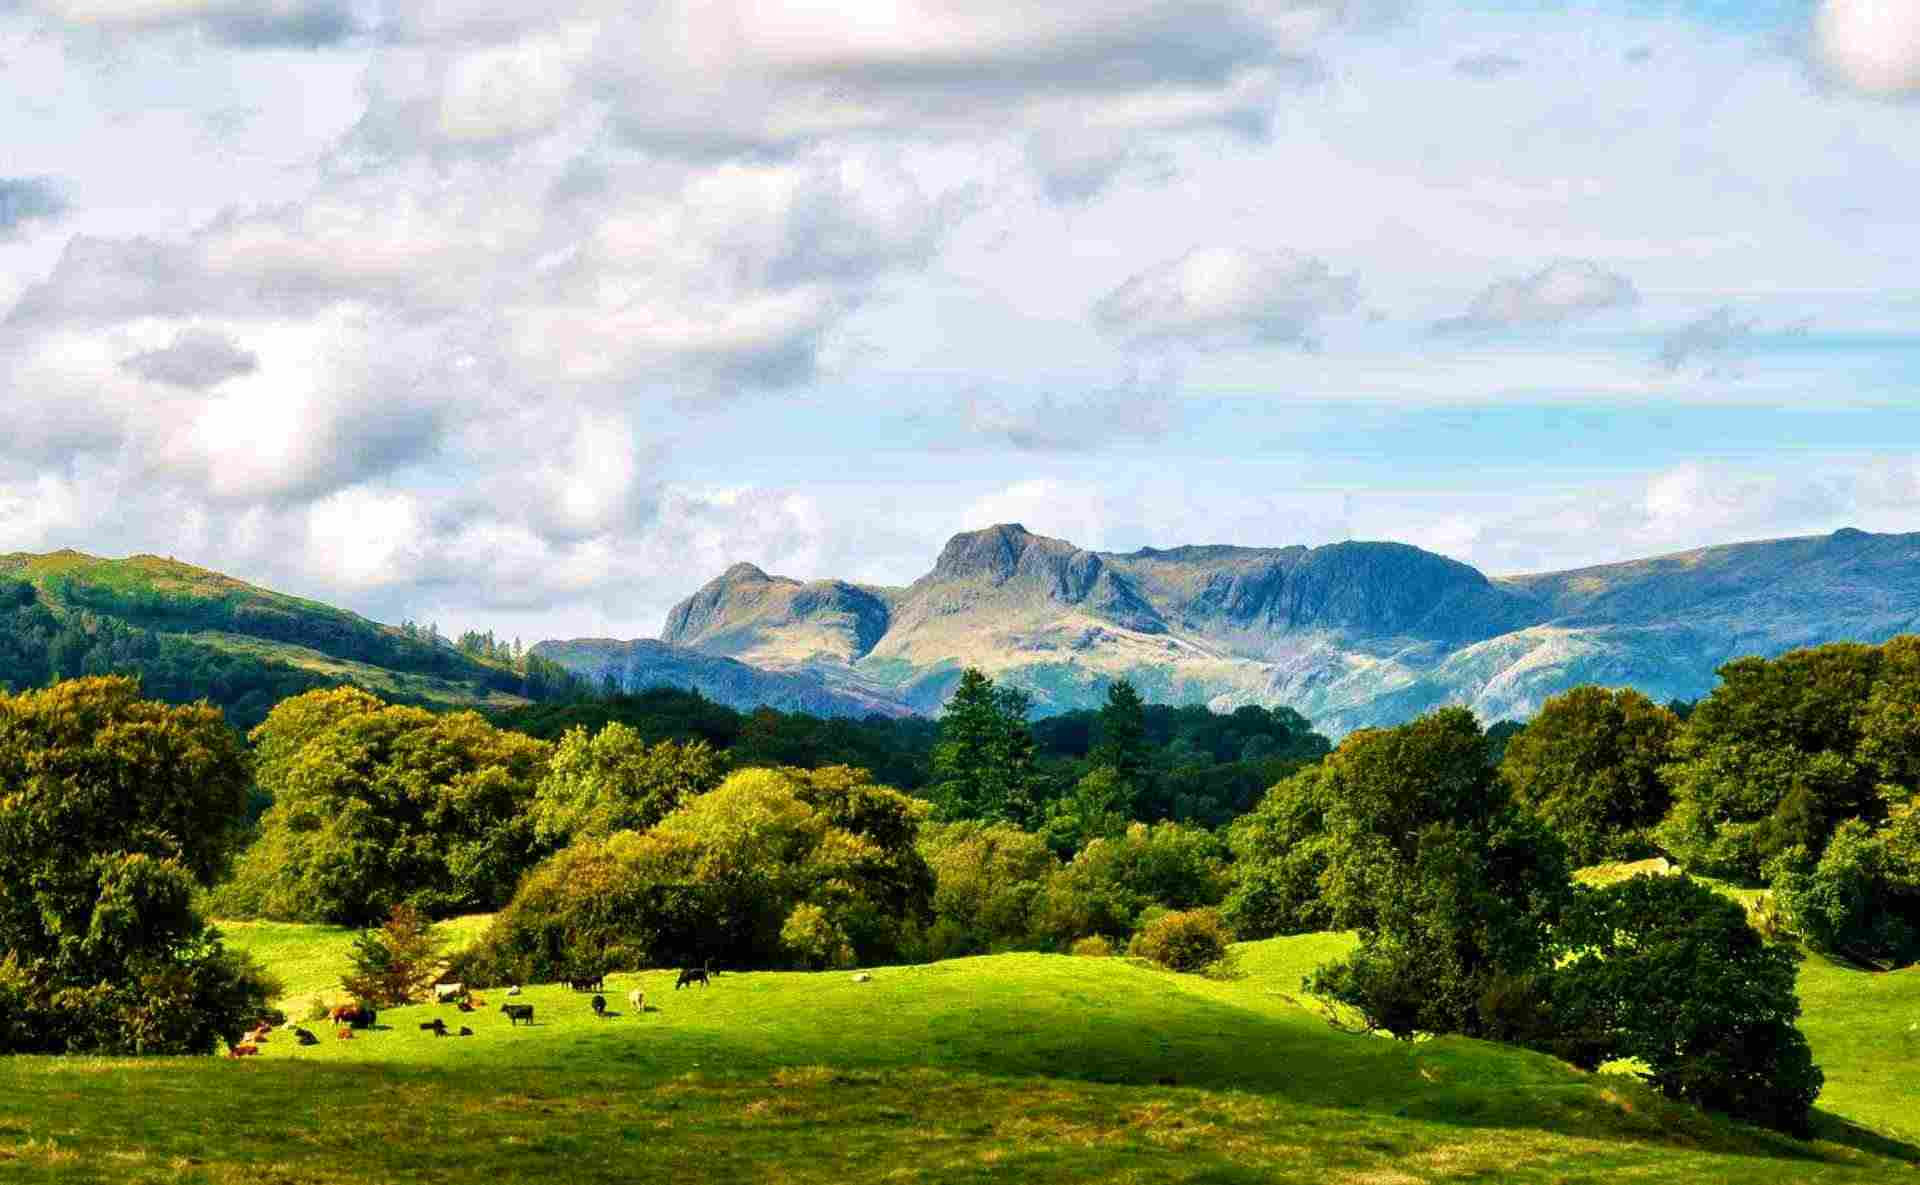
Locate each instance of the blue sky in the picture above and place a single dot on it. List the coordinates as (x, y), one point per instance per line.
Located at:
(534, 317)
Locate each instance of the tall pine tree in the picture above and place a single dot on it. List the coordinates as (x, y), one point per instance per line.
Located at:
(984, 763)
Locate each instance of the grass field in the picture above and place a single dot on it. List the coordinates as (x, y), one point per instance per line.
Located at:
(1012, 1068)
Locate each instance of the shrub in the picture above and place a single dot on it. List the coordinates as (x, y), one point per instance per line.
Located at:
(395, 964)
(1093, 947)
(1191, 940)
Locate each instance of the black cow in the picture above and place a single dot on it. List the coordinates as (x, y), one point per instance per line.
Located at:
(517, 1013)
(596, 982)
(436, 1026)
(465, 1031)
(691, 975)
(305, 1038)
(600, 1007)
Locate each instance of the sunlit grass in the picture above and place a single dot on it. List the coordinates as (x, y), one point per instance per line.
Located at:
(1012, 1067)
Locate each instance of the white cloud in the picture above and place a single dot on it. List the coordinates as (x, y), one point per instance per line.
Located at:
(1564, 290)
(1219, 297)
(1871, 45)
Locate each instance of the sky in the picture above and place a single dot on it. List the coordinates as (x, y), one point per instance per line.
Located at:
(533, 317)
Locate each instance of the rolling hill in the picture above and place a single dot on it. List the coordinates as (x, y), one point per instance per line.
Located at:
(192, 633)
(1018, 1067)
(1350, 634)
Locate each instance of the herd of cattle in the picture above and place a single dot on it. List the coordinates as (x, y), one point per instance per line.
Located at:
(348, 1018)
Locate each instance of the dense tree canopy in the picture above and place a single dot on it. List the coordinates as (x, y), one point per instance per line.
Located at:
(614, 781)
(113, 810)
(1590, 766)
(1773, 760)
(773, 868)
(375, 805)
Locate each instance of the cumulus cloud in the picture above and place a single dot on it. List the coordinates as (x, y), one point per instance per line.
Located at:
(1221, 297)
(1564, 290)
(247, 24)
(27, 203)
(1872, 46)
(196, 359)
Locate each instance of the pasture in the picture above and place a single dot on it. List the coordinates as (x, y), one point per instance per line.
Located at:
(1012, 1067)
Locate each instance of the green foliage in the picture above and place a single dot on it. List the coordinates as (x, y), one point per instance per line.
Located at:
(1190, 940)
(1589, 765)
(1098, 807)
(1449, 884)
(614, 781)
(1862, 899)
(1121, 735)
(1773, 760)
(395, 964)
(1666, 971)
(725, 877)
(1281, 850)
(988, 881)
(983, 766)
(115, 811)
(1111, 883)
(376, 805)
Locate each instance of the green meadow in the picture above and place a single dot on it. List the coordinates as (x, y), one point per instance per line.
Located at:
(1019, 1067)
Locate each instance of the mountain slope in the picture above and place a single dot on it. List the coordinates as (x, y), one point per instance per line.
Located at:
(644, 663)
(1351, 634)
(191, 633)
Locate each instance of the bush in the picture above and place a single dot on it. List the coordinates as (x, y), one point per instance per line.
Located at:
(1192, 940)
(1093, 947)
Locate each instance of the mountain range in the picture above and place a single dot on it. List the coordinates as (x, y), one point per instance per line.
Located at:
(1350, 634)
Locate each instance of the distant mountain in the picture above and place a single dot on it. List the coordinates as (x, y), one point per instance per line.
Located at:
(1351, 634)
(638, 665)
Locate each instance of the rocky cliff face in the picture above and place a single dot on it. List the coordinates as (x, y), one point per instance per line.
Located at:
(775, 621)
(1352, 634)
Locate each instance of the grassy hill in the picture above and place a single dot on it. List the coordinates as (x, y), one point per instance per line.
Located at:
(1013, 1067)
(192, 633)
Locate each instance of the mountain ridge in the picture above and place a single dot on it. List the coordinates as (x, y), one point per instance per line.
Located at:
(1352, 634)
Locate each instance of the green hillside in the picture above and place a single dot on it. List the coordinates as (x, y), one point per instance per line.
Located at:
(192, 633)
(1013, 1067)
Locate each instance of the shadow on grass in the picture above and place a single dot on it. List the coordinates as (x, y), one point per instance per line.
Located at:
(1840, 1130)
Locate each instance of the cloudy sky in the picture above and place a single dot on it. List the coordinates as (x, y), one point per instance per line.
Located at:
(533, 316)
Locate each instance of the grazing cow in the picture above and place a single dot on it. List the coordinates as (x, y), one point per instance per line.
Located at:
(465, 1031)
(442, 992)
(637, 1000)
(244, 1049)
(517, 1013)
(344, 1034)
(600, 1007)
(305, 1038)
(588, 983)
(436, 1026)
(691, 975)
(357, 1015)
